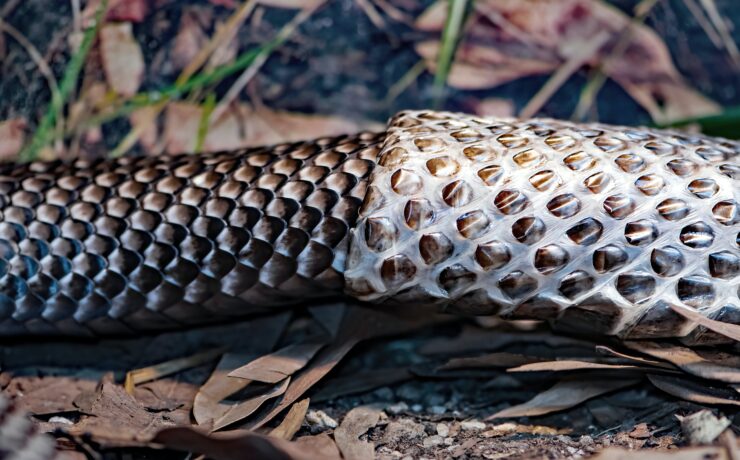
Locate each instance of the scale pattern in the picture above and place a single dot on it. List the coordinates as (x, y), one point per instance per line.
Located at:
(598, 228)
(144, 243)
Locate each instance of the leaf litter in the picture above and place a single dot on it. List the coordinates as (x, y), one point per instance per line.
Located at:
(421, 395)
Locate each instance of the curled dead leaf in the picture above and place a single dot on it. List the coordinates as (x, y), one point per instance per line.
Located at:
(123, 60)
(565, 394)
(12, 137)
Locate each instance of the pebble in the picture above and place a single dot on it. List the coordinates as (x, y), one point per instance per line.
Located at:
(443, 430)
(319, 419)
(403, 429)
(417, 407)
(437, 410)
(384, 394)
(409, 392)
(397, 408)
(432, 441)
(472, 425)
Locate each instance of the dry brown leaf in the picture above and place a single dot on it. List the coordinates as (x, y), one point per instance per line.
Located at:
(573, 365)
(264, 333)
(360, 382)
(144, 120)
(495, 107)
(632, 359)
(244, 409)
(114, 416)
(44, 395)
(692, 453)
(478, 67)
(239, 445)
(477, 339)
(292, 421)
(12, 137)
(278, 365)
(489, 360)
(190, 38)
(358, 324)
(329, 316)
(123, 60)
(731, 331)
(149, 373)
(564, 395)
(509, 39)
(355, 424)
(127, 10)
(726, 368)
(321, 365)
(291, 4)
(242, 126)
(701, 392)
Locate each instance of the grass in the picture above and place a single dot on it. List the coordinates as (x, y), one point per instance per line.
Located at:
(456, 13)
(43, 133)
(725, 124)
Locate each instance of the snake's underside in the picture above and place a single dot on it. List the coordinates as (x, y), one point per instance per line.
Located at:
(597, 228)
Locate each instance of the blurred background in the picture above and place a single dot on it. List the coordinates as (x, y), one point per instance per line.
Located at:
(109, 77)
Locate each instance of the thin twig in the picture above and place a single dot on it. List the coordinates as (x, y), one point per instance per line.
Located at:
(598, 76)
(564, 72)
(249, 73)
(371, 13)
(404, 82)
(711, 8)
(224, 34)
(35, 56)
(698, 14)
(71, 74)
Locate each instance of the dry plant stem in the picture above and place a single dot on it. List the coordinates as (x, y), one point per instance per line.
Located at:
(598, 76)
(43, 67)
(224, 34)
(260, 60)
(35, 56)
(701, 18)
(149, 373)
(404, 82)
(719, 23)
(371, 13)
(556, 80)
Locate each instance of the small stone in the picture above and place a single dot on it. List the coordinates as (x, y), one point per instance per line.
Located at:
(449, 441)
(703, 427)
(442, 429)
(641, 431)
(318, 419)
(437, 410)
(433, 441)
(409, 392)
(472, 425)
(397, 408)
(384, 394)
(62, 420)
(417, 408)
(403, 429)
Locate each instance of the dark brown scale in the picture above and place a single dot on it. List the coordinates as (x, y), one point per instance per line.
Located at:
(143, 244)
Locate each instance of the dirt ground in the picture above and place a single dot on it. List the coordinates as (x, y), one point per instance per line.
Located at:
(425, 387)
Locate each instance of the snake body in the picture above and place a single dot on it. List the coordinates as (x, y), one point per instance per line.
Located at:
(597, 228)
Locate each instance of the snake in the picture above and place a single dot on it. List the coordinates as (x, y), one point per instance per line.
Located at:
(592, 227)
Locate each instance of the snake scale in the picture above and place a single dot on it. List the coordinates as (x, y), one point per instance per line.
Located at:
(596, 228)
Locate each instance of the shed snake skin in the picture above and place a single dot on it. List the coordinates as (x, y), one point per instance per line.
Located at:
(596, 228)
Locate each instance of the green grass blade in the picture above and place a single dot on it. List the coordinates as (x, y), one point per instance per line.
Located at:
(450, 39)
(71, 74)
(725, 124)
